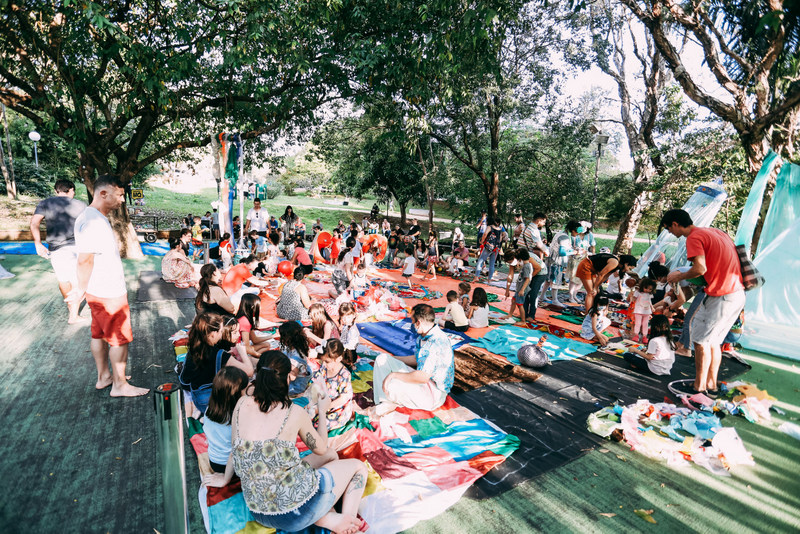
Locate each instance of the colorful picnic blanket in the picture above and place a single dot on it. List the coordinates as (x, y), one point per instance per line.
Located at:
(419, 462)
(506, 340)
(416, 292)
(398, 337)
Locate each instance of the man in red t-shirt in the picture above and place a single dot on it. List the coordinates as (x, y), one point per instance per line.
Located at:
(234, 280)
(714, 257)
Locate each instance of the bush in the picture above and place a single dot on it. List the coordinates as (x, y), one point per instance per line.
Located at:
(37, 182)
(274, 189)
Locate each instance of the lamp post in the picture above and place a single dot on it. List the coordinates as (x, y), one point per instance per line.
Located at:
(34, 136)
(600, 140)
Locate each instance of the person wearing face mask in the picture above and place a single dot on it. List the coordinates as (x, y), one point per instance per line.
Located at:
(421, 381)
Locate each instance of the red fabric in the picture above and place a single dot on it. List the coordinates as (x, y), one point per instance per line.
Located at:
(199, 443)
(485, 461)
(235, 277)
(217, 495)
(388, 465)
(353, 451)
(453, 475)
(723, 274)
(431, 457)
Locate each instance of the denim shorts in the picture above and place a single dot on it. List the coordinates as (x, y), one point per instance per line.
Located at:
(312, 511)
(520, 298)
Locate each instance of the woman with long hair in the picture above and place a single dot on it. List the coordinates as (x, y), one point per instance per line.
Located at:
(282, 490)
(210, 295)
(208, 352)
(322, 328)
(176, 268)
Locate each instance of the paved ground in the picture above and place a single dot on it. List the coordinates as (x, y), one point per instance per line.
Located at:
(75, 460)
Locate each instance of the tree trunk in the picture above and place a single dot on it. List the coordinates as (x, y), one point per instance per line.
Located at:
(630, 224)
(430, 207)
(8, 172)
(403, 206)
(756, 150)
(492, 197)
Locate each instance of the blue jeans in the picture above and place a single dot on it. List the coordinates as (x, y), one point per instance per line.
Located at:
(532, 298)
(309, 513)
(482, 259)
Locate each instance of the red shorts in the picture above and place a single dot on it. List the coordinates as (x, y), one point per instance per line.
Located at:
(111, 319)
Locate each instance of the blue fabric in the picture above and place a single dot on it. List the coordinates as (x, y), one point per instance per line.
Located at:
(229, 516)
(398, 337)
(27, 248)
(506, 340)
(463, 440)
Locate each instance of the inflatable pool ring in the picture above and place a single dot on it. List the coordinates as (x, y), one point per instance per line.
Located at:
(316, 251)
(324, 240)
(375, 239)
(285, 268)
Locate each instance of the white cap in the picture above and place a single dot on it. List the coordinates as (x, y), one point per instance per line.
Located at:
(586, 224)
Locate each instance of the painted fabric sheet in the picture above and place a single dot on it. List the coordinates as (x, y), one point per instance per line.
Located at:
(398, 337)
(419, 462)
(506, 341)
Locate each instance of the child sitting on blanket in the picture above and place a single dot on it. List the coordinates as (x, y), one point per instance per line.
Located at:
(228, 385)
(463, 295)
(332, 378)
(295, 345)
(360, 282)
(660, 354)
(409, 266)
(478, 314)
(596, 321)
(454, 317)
(348, 330)
(322, 326)
(248, 317)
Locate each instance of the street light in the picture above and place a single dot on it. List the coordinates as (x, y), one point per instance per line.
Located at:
(600, 140)
(34, 136)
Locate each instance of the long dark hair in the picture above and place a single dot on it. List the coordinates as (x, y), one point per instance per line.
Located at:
(600, 302)
(659, 326)
(206, 272)
(348, 246)
(293, 337)
(204, 323)
(250, 307)
(225, 392)
(656, 270)
(287, 217)
(174, 242)
(479, 298)
(271, 385)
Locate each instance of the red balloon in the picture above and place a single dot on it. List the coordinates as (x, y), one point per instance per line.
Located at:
(285, 268)
(324, 240)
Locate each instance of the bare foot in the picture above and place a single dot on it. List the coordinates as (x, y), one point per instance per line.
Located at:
(340, 523)
(103, 383)
(128, 390)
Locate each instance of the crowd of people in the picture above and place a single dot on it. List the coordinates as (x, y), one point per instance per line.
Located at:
(241, 380)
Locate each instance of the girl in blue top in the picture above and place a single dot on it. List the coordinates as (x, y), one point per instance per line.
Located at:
(227, 387)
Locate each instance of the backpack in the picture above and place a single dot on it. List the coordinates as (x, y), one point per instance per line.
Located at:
(493, 240)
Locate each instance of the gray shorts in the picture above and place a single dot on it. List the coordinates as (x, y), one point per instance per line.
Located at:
(715, 317)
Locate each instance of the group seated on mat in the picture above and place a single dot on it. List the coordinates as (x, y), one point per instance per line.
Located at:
(291, 317)
(313, 367)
